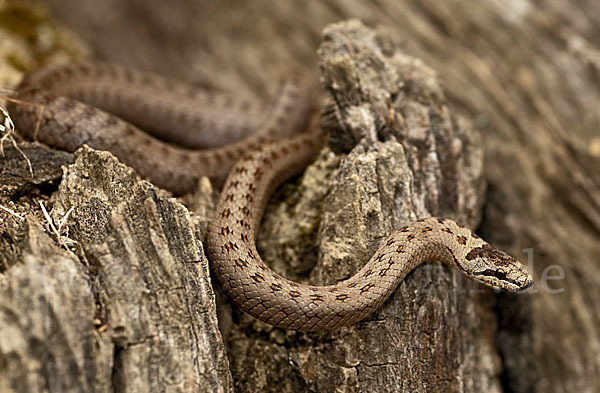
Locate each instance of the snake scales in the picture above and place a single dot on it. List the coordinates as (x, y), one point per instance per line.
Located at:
(270, 154)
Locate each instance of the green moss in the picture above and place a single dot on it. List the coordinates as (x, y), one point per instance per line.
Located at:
(22, 19)
(16, 63)
(44, 38)
(308, 236)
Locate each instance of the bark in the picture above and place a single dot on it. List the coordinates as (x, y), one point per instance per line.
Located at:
(130, 309)
(406, 153)
(526, 73)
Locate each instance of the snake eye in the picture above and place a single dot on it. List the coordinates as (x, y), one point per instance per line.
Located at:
(500, 274)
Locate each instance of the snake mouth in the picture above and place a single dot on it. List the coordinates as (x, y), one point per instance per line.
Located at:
(529, 284)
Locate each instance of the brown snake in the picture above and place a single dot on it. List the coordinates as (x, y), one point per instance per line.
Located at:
(171, 110)
(166, 109)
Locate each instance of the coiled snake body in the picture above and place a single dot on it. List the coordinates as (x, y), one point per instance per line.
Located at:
(270, 155)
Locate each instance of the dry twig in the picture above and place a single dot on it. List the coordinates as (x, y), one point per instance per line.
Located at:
(57, 230)
(7, 129)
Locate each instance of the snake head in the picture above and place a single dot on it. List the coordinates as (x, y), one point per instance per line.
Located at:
(496, 269)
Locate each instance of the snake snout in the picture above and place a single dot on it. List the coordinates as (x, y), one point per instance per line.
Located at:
(498, 270)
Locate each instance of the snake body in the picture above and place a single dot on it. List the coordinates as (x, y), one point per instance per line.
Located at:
(77, 98)
(269, 156)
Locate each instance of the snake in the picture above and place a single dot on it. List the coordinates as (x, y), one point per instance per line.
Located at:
(97, 104)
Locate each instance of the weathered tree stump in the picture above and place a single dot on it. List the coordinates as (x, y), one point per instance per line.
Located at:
(525, 73)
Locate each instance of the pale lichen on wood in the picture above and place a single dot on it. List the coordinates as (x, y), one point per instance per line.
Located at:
(149, 306)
